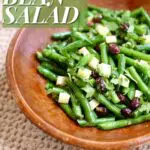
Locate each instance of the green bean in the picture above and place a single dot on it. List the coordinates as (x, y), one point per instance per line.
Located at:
(92, 51)
(74, 46)
(121, 63)
(121, 106)
(138, 66)
(133, 53)
(149, 83)
(70, 62)
(55, 90)
(111, 62)
(61, 35)
(84, 123)
(97, 39)
(144, 108)
(131, 92)
(67, 109)
(123, 123)
(142, 86)
(84, 61)
(80, 83)
(54, 56)
(49, 85)
(101, 99)
(94, 114)
(125, 90)
(76, 56)
(145, 14)
(145, 47)
(76, 107)
(80, 43)
(136, 12)
(41, 57)
(144, 78)
(81, 36)
(53, 68)
(114, 97)
(104, 55)
(140, 30)
(132, 36)
(112, 19)
(83, 102)
(47, 73)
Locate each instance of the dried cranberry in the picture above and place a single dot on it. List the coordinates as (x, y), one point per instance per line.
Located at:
(101, 84)
(94, 74)
(126, 112)
(97, 48)
(122, 98)
(124, 27)
(90, 23)
(135, 103)
(114, 49)
(98, 80)
(101, 111)
(97, 19)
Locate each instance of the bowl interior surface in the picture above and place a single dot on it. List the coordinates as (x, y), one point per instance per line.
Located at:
(28, 87)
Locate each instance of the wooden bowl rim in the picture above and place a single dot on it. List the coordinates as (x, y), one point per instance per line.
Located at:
(49, 128)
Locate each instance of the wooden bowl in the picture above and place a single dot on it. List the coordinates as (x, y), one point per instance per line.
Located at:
(28, 88)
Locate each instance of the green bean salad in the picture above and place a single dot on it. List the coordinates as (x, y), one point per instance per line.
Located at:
(99, 74)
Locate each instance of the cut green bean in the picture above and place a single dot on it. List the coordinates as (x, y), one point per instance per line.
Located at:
(121, 106)
(41, 57)
(131, 92)
(55, 90)
(123, 123)
(145, 14)
(136, 12)
(121, 63)
(145, 47)
(76, 107)
(104, 55)
(84, 103)
(80, 43)
(54, 56)
(138, 66)
(81, 36)
(49, 85)
(51, 67)
(84, 123)
(80, 83)
(92, 51)
(111, 62)
(47, 73)
(114, 97)
(142, 86)
(144, 108)
(84, 61)
(67, 109)
(133, 53)
(61, 35)
(101, 99)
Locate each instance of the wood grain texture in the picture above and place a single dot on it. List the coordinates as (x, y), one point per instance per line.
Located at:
(28, 88)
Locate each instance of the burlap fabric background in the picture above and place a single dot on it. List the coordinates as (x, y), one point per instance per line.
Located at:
(17, 132)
